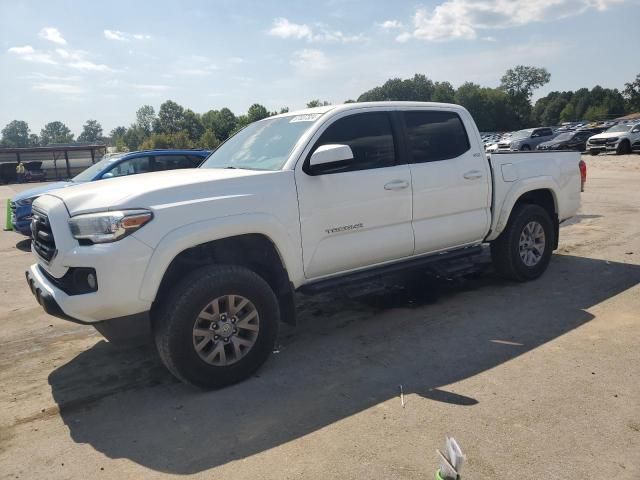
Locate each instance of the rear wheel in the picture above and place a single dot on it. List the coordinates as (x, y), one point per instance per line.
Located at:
(523, 250)
(218, 326)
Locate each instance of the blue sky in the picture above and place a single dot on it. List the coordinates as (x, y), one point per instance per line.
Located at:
(76, 60)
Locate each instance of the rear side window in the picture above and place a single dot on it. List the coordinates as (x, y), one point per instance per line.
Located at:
(435, 136)
(173, 162)
(371, 140)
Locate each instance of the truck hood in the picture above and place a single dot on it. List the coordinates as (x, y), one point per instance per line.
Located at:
(609, 135)
(148, 189)
(41, 190)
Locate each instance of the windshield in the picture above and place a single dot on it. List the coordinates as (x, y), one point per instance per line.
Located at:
(90, 173)
(564, 136)
(620, 128)
(522, 133)
(263, 145)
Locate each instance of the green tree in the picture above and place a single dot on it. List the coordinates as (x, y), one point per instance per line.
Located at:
(192, 124)
(170, 118)
(443, 92)
(222, 122)
(568, 113)
(596, 112)
(631, 95)
(91, 132)
(145, 117)
(118, 132)
(350, 100)
(256, 112)
(523, 80)
(34, 140)
(317, 103)
(15, 134)
(284, 110)
(418, 88)
(55, 132)
(208, 140)
(134, 137)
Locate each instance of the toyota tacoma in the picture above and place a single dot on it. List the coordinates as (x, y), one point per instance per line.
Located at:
(211, 258)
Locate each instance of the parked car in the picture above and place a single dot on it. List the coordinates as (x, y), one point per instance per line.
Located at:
(619, 138)
(111, 166)
(568, 141)
(526, 140)
(306, 201)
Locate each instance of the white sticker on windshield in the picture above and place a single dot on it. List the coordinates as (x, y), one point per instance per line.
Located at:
(307, 117)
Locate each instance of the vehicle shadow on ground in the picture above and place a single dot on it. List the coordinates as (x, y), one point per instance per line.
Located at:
(24, 245)
(344, 357)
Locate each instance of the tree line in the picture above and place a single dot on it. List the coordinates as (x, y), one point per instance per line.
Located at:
(505, 108)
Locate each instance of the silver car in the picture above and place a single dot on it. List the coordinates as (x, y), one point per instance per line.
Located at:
(526, 140)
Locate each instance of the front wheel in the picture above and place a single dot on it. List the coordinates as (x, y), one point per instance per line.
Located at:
(523, 250)
(217, 327)
(593, 152)
(624, 148)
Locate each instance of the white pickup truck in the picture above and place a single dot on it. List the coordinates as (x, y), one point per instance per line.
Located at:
(211, 257)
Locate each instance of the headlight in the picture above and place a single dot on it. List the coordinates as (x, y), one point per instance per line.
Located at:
(612, 140)
(107, 227)
(25, 201)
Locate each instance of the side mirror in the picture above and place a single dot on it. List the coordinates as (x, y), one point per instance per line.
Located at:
(107, 175)
(330, 154)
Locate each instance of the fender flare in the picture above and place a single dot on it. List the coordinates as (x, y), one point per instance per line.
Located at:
(191, 235)
(517, 190)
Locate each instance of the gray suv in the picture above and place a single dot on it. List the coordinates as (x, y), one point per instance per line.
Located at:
(527, 139)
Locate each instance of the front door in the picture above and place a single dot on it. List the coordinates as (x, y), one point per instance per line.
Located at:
(359, 213)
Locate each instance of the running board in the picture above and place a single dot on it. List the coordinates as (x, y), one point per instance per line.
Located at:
(384, 270)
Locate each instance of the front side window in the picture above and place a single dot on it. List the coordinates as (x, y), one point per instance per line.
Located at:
(435, 136)
(132, 166)
(371, 140)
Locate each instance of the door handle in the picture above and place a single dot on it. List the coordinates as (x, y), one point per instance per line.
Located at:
(473, 175)
(396, 185)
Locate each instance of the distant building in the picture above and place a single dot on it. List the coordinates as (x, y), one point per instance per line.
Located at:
(53, 162)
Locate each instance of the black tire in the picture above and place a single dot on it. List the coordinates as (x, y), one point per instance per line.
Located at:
(624, 148)
(174, 321)
(593, 152)
(505, 249)
(526, 148)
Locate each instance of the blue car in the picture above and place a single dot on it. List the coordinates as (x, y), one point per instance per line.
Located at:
(109, 167)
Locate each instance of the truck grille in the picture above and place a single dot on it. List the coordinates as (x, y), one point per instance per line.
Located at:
(43, 241)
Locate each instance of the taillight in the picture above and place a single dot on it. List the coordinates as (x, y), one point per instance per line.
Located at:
(583, 174)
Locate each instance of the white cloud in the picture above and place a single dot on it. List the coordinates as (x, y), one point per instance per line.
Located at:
(307, 60)
(283, 28)
(88, 66)
(150, 90)
(124, 36)
(71, 54)
(390, 24)
(461, 19)
(30, 54)
(53, 35)
(54, 78)
(58, 88)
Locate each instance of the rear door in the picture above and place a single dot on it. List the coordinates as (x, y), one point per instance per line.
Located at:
(357, 214)
(451, 180)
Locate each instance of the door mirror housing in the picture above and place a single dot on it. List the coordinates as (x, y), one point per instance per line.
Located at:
(107, 175)
(333, 153)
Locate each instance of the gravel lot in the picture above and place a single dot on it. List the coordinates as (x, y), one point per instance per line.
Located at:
(537, 380)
